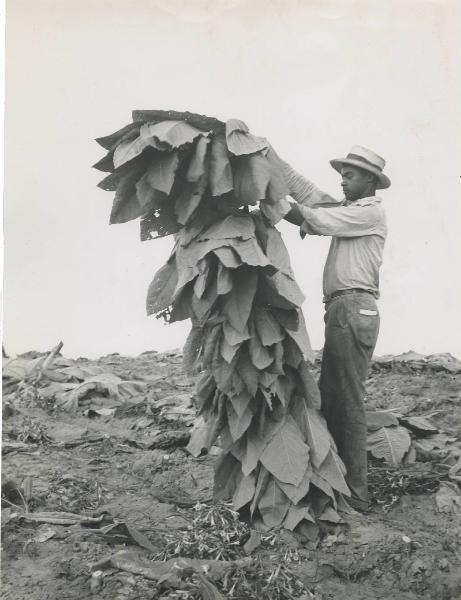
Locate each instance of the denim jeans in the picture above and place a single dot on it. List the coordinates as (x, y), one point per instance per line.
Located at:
(351, 331)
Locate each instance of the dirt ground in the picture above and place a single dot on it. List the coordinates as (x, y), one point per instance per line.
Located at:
(112, 466)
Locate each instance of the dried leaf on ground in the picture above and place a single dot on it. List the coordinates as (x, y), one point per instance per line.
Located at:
(390, 443)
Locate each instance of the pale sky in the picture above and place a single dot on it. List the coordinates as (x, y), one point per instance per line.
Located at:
(315, 77)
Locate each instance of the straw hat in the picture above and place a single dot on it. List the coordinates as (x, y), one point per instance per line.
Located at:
(365, 159)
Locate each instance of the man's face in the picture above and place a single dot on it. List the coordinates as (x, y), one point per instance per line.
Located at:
(355, 182)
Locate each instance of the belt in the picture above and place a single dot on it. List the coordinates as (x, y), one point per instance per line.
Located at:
(348, 291)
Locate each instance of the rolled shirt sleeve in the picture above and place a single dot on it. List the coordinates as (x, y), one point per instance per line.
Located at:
(304, 191)
(341, 221)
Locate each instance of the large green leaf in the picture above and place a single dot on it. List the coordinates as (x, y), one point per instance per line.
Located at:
(224, 282)
(160, 292)
(162, 173)
(126, 206)
(109, 142)
(248, 373)
(228, 352)
(259, 354)
(267, 327)
(301, 337)
(221, 181)
(245, 492)
(296, 514)
(251, 253)
(228, 257)
(227, 477)
(148, 197)
(230, 228)
(314, 428)
(174, 133)
(251, 178)
(273, 505)
(128, 150)
(238, 424)
(237, 306)
(332, 470)
(233, 336)
(198, 164)
(257, 440)
(389, 443)
(277, 252)
(192, 348)
(287, 456)
(240, 141)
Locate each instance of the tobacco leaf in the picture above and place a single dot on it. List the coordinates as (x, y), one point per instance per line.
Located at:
(182, 305)
(238, 424)
(228, 352)
(240, 141)
(109, 142)
(221, 180)
(230, 228)
(210, 343)
(301, 337)
(206, 272)
(237, 306)
(223, 374)
(251, 178)
(173, 133)
(147, 196)
(248, 373)
(228, 257)
(277, 252)
(259, 354)
(110, 183)
(160, 292)
(296, 514)
(288, 319)
(267, 328)
(309, 388)
(262, 479)
(192, 349)
(227, 477)
(297, 492)
(126, 206)
(206, 388)
(202, 307)
(287, 456)
(322, 485)
(161, 222)
(389, 443)
(245, 492)
(234, 337)
(287, 288)
(224, 281)
(251, 254)
(273, 504)
(161, 174)
(257, 439)
(186, 203)
(278, 364)
(283, 388)
(292, 354)
(380, 418)
(419, 424)
(126, 151)
(198, 164)
(332, 470)
(240, 402)
(313, 426)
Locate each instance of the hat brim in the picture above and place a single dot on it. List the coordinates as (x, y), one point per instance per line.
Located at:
(383, 181)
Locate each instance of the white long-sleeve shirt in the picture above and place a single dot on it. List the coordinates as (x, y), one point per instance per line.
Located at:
(358, 231)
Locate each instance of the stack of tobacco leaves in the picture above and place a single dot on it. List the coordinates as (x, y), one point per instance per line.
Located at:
(229, 272)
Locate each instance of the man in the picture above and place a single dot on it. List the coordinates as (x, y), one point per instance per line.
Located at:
(351, 286)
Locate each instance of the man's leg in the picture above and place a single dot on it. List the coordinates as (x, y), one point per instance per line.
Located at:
(350, 338)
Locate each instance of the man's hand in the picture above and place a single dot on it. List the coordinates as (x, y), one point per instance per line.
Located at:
(294, 216)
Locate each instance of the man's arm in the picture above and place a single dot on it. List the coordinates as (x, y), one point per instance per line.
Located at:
(304, 191)
(341, 221)
(294, 216)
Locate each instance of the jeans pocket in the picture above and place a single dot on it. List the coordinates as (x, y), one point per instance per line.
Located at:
(366, 325)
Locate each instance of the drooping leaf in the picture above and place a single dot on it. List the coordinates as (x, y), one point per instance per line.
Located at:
(257, 440)
(126, 206)
(110, 183)
(162, 223)
(160, 292)
(287, 456)
(251, 254)
(197, 165)
(228, 352)
(267, 328)
(128, 150)
(192, 349)
(210, 342)
(149, 197)
(238, 424)
(313, 426)
(251, 178)
(224, 282)
(301, 337)
(332, 470)
(205, 389)
(259, 354)
(322, 485)
(248, 373)
(240, 402)
(230, 228)
(296, 514)
(273, 504)
(111, 141)
(245, 492)
(234, 337)
(161, 174)
(206, 272)
(309, 389)
(297, 492)
(286, 287)
(237, 306)
(221, 181)
(227, 477)
(262, 479)
(288, 319)
(292, 354)
(389, 443)
(228, 257)
(240, 141)
(174, 133)
(277, 252)
(278, 188)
